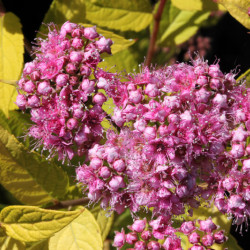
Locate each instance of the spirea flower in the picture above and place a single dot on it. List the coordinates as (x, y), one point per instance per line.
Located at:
(184, 134)
(61, 88)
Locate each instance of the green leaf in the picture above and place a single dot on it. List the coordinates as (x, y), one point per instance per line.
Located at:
(238, 9)
(120, 15)
(104, 220)
(12, 244)
(31, 224)
(121, 221)
(40, 245)
(177, 26)
(27, 175)
(246, 76)
(11, 59)
(197, 5)
(231, 243)
(121, 61)
(82, 233)
(120, 43)
(202, 213)
(61, 11)
(17, 124)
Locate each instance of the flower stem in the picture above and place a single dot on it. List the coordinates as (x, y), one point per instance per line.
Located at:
(69, 203)
(157, 19)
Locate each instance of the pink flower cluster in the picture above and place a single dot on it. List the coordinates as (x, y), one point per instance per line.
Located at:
(61, 87)
(206, 230)
(146, 235)
(181, 136)
(184, 138)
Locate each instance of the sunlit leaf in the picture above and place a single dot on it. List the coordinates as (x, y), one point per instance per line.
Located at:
(202, 213)
(12, 244)
(239, 9)
(28, 176)
(104, 220)
(82, 233)
(11, 59)
(40, 245)
(30, 224)
(61, 11)
(246, 77)
(17, 124)
(177, 26)
(120, 62)
(197, 5)
(231, 243)
(119, 15)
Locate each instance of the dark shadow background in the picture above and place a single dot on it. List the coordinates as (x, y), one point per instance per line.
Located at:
(230, 42)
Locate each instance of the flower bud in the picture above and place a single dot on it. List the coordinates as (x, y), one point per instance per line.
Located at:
(77, 43)
(207, 225)
(194, 238)
(44, 88)
(207, 240)
(21, 101)
(138, 226)
(103, 45)
(33, 101)
(116, 183)
(99, 98)
(187, 227)
(119, 239)
(104, 172)
(131, 238)
(76, 56)
(62, 80)
(88, 86)
(219, 237)
(90, 33)
(29, 87)
(72, 123)
(119, 165)
(96, 163)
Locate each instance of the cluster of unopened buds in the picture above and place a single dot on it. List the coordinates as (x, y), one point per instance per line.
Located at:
(180, 134)
(159, 234)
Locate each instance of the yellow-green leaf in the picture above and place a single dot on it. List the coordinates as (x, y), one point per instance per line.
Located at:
(231, 243)
(11, 59)
(119, 15)
(246, 76)
(12, 244)
(120, 43)
(61, 11)
(120, 62)
(202, 213)
(104, 220)
(82, 233)
(177, 26)
(30, 224)
(238, 9)
(27, 175)
(40, 245)
(197, 5)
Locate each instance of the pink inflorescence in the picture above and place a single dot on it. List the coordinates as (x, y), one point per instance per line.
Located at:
(61, 89)
(160, 234)
(184, 138)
